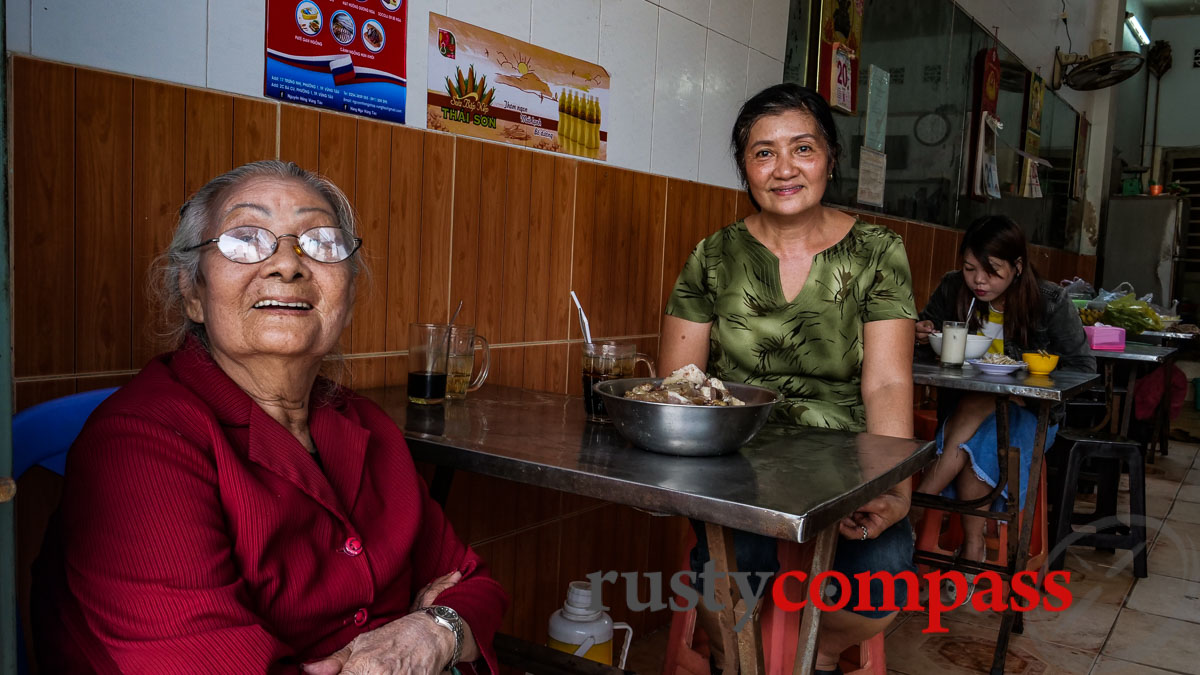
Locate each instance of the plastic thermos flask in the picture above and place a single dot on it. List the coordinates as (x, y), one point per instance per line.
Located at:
(580, 630)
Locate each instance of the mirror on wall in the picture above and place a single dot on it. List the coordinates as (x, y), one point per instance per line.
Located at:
(929, 49)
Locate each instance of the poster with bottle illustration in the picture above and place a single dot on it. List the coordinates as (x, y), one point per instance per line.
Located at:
(491, 86)
(344, 55)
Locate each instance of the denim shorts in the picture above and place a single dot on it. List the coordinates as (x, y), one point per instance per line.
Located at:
(891, 551)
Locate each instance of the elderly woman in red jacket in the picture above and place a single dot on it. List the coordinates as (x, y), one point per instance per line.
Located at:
(230, 510)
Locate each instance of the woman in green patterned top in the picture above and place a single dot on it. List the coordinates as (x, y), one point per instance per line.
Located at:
(809, 301)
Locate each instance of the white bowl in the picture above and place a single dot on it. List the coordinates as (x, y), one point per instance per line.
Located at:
(977, 345)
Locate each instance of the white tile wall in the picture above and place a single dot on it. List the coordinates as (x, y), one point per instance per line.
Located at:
(678, 97)
(768, 27)
(417, 66)
(236, 40)
(16, 25)
(628, 48)
(762, 71)
(146, 38)
(724, 91)
(731, 19)
(680, 68)
(510, 17)
(571, 27)
(694, 10)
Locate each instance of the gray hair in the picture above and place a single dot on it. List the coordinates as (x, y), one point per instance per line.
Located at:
(179, 265)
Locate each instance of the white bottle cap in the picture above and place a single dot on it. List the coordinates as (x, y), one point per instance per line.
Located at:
(579, 601)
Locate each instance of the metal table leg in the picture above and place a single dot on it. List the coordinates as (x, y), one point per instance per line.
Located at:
(1019, 554)
(439, 488)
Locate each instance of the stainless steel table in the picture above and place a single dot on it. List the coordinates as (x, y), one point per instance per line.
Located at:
(1136, 356)
(792, 483)
(1044, 392)
(1166, 336)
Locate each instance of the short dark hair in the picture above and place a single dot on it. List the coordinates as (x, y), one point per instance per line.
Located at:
(776, 100)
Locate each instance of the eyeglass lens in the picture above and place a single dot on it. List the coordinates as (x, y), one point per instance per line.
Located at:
(250, 244)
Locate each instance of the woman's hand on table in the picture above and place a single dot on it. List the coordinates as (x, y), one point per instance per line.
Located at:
(924, 330)
(411, 645)
(876, 515)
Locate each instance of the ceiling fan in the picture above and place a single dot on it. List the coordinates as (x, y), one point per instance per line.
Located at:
(1097, 70)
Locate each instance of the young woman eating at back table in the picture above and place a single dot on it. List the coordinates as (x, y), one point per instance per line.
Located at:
(1021, 313)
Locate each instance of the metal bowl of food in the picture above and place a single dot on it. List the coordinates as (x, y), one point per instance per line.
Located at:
(683, 429)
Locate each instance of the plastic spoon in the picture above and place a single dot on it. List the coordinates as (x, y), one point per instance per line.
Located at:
(583, 322)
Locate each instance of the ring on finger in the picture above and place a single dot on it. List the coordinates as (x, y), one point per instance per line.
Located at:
(865, 533)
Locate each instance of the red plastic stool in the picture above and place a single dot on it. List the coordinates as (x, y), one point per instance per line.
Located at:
(925, 424)
(687, 648)
(932, 539)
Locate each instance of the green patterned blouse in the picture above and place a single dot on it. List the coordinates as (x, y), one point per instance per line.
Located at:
(809, 349)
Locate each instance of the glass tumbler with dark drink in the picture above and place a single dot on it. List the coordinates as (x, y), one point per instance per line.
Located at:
(604, 361)
(427, 360)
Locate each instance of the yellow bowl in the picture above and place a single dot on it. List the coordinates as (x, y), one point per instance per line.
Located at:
(1038, 364)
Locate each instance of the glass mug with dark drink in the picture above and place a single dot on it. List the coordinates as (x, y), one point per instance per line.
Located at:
(604, 361)
(463, 341)
(428, 348)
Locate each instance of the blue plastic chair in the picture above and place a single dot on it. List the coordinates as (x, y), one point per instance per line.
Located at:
(42, 435)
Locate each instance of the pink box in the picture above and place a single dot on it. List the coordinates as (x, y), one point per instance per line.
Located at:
(1106, 338)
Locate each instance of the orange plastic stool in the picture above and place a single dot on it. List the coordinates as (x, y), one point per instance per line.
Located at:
(687, 650)
(932, 539)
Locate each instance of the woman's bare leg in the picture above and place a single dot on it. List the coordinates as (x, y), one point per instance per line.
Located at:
(972, 410)
(969, 487)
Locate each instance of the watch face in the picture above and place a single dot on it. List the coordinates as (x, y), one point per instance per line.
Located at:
(445, 612)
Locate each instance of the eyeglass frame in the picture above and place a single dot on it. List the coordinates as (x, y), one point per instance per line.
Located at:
(357, 244)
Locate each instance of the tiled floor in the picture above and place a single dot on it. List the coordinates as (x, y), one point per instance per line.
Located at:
(1116, 625)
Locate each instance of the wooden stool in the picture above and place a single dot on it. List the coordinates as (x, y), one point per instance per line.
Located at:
(1111, 450)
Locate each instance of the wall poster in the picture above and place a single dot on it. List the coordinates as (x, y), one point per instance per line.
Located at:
(345, 55)
(1032, 140)
(1079, 172)
(491, 86)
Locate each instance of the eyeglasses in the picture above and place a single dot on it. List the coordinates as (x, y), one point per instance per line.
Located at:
(249, 244)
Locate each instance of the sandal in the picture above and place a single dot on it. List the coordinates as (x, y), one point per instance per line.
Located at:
(948, 588)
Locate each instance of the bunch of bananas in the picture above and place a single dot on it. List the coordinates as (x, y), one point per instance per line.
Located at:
(1090, 316)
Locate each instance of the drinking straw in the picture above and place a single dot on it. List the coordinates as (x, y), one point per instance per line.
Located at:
(583, 322)
(448, 331)
(969, 308)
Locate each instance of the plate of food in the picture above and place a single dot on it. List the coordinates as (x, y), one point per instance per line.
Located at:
(372, 35)
(342, 26)
(308, 17)
(997, 364)
(391, 5)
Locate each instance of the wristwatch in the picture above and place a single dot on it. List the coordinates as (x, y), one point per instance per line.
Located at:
(449, 619)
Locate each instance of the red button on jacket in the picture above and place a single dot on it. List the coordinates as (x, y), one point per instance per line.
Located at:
(352, 547)
(360, 617)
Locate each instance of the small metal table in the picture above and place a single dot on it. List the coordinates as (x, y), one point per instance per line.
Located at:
(1136, 356)
(792, 483)
(1044, 391)
(1165, 336)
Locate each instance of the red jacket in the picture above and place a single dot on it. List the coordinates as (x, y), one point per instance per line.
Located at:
(196, 535)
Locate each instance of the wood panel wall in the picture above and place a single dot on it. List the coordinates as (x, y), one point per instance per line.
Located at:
(102, 163)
